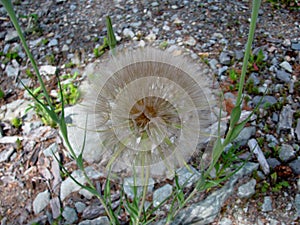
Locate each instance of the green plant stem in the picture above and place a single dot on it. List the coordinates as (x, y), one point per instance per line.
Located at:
(255, 8)
(9, 8)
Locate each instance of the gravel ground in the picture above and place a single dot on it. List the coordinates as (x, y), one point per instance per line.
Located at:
(62, 32)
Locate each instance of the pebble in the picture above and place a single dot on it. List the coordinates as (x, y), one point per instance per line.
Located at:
(55, 207)
(150, 37)
(129, 183)
(286, 152)
(285, 119)
(161, 194)
(267, 204)
(128, 33)
(41, 201)
(70, 215)
(103, 220)
(80, 206)
(298, 185)
(225, 221)
(285, 65)
(295, 165)
(272, 141)
(52, 149)
(48, 70)
(245, 135)
(273, 162)
(297, 204)
(247, 190)
(190, 41)
(11, 36)
(283, 76)
(297, 130)
(254, 78)
(253, 145)
(10, 139)
(296, 46)
(270, 100)
(5, 154)
(53, 42)
(213, 64)
(224, 58)
(187, 176)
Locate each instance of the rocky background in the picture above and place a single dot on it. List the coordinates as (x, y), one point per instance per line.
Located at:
(63, 36)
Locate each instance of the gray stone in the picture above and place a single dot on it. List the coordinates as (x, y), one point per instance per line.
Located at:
(161, 194)
(272, 141)
(224, 58)
(68, 185)
(295, 165)
(222, 70)
(11, 36)
(70, 215)
(53, 42)
(10, 139)
(285, 118)
(206, 211)
(298, 185)
(247, 190)
(187, 176)
(286, 43)
(103, 220)
(154, 4)
(296, 46)
(48, 70)
(55, 207)
(41, 201)
(225, 221)
(5, 154)
(80, 206)
(52, 149)
(285, 65)
(254, 78)
(283, 76)
(275, 117)
(297, 130)
(128, 186)
(213, 64)
(286, 152)
(297, 204)
(270, 100)
(190, 41)
(12, 71)
(239, 54)
(245, 135)
(273, 162)
(267, 205)
(253, 145)
(128, 33)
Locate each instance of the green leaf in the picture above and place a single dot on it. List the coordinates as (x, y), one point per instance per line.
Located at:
(112, 42)
(235, 115)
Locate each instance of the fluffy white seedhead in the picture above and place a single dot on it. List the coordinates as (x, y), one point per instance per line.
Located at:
(151, 110)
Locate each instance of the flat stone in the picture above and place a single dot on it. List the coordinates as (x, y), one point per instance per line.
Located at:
(286, 152)
(190, 41)
(55, 207)
(247, 190)
(296, 46)
(224, 58)
(187, 176)
(80, 206)
(103, 220)
(128, 33)
(48, 70)
(5, 154)
(295, 165)
(12, 71)
(270, 100)
(206, 211)
(10, 139)
(267, 205)
(297, 130)
(245, 135)
(272, 141)
(298, 185)
(273, 162)
(41, 201)
(285, 119)
(11, 36)
(283, 76)
(297, 204)
(52, 149)
(213, 64)
(225, 221)
(70, 215)
(254, 78)
(150, 37)
(285, 65)
(53, 42)
(161, 194)
(253, 145)
(129, 184)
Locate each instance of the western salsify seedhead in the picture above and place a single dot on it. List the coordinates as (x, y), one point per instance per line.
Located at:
(151, 110)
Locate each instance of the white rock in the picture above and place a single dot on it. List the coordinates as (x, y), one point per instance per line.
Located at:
(128, 33)
(151, 37)
(48, 70)
(253, 145)
(4, 155)
(161, 194)
(41, 201)
(285, 65)
(10, 139)
(190, 41)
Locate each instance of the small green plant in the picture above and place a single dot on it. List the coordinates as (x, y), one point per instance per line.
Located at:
(29, 73)
(16, 122)
(251, 88)
(2, 94)
(233, 75)
(256, 62)
(50, 59)
(163, 45)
